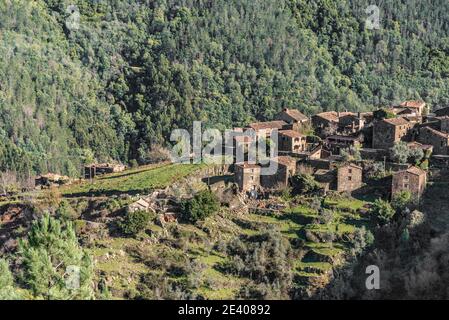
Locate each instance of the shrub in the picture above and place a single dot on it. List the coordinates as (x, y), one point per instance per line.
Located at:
(201, 206)
(134, 222)
(382, 211)
(401, 200)
(65, 211)
(400, 152)
(305, 183)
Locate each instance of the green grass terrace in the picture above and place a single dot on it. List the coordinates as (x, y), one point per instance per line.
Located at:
(133, 181)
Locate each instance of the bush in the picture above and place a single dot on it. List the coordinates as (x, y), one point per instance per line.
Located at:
(134, 222)
(201, 206)
(65, 211)
(400, 152)
(382, 211)
(401, 200)
(305, 183)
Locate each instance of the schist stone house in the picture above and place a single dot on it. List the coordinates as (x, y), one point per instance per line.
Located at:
(93, 170)
(389, 131)
(293, 117)
(336, 143)
(248, 176)
(292, 141)
(413, 179)
(268, 126)
(417, 106)
(345, 178)
(439, 140)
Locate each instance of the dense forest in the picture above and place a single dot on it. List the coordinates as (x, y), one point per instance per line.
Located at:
(109, 79)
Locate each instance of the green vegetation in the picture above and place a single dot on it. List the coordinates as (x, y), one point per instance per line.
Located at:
(7, 290)
(201, 206)
(383, 211)
(140, 180)
(131, 73)
(50, 256)
(134, 222)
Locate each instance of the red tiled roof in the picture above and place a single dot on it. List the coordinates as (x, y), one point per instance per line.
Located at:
(333, 115)
(413, 104)
(295, 114)
(278, 124)
(290, 133)
(396, 121)
(415, 170)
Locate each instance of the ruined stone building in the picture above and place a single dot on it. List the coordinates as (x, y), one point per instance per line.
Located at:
(51, 180)
(413, 179)
(286, 168)
(97, 169)
(439, 140)
(389, 131)
(353, 122)
(345, 178)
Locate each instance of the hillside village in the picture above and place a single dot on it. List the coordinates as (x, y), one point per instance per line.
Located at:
(346, 144)
(331, 169)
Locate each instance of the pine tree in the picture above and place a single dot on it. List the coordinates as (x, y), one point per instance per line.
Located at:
(52, 258)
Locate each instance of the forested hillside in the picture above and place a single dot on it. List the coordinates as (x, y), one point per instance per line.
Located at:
(133, 70)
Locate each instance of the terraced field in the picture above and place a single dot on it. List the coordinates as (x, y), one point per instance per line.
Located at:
(134, 181)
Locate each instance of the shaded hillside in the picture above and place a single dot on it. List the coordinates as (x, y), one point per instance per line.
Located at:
(50, 115)
(158, 65)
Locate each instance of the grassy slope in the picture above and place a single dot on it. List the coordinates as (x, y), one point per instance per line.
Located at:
(125, 270)
(133, 181)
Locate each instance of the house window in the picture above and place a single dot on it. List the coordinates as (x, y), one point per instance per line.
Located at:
(406, 186)
(252, 178)
(350, 170)
(349, 178)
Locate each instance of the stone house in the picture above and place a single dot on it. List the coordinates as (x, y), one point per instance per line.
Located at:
(349, 178)
(389, 131)
(247, 176)
(286, 169)
(345, 178)
(268, 126)
(413, 179)
(292, 117)
(351, 123)
(439, 140)
(325, 120)
(93, 170)
(292, 141)
(51, 180)
(417, 106)
(335, 143)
